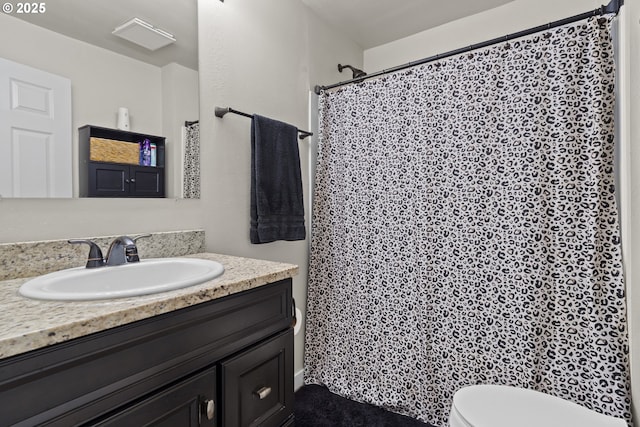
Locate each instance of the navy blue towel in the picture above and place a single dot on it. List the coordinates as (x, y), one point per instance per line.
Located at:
(277, 207)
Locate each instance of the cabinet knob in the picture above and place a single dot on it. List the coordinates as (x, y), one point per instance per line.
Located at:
(262, 392)
(133, 180)
(126, 180)
(209, 408)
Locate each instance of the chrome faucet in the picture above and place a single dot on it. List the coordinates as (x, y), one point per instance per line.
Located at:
(123, 250)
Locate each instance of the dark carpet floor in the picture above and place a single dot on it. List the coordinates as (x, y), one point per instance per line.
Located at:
(316, 406)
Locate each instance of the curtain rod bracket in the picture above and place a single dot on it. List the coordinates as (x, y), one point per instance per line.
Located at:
(613, 6)
(220, 112)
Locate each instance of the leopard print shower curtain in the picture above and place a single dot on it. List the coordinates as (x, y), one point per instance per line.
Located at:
(191, 164)
(465, 230)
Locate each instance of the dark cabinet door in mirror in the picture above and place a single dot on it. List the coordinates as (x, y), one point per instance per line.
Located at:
(116, 180)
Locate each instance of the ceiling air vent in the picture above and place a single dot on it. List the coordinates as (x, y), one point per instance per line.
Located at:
(144, 34)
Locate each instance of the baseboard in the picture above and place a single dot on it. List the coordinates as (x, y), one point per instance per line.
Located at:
(298, 380)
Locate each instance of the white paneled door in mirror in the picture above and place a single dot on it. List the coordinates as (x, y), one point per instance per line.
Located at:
(35, 132)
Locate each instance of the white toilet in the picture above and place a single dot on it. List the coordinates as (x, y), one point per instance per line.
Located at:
(503, 406)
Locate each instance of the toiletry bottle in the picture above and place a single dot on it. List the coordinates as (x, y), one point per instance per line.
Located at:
(153, 154)
(145, 153)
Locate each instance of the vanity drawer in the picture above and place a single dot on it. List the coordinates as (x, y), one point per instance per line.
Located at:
(257, 385)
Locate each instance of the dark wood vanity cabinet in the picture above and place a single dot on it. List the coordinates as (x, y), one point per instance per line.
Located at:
(223, 363)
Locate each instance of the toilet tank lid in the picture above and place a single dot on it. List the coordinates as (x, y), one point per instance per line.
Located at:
(504, 406)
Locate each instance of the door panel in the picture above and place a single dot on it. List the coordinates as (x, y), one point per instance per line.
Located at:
(35, 133)
(30, 163)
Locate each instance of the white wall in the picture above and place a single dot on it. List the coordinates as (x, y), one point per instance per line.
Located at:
(258, 57)
(507, 19)
(180, 103)
(102, 81)
(522, 14)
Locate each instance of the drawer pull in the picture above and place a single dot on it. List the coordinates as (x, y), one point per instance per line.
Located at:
(209, 408)
(263, 392)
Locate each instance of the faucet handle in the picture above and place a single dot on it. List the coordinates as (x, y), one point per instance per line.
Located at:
(95, 258)
(132, 252)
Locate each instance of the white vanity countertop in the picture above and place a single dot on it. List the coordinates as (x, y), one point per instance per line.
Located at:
(28, 324)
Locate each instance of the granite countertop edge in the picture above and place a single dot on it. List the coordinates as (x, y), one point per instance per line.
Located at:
(27, 324)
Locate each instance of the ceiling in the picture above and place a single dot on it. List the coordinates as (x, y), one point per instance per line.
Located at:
(372, 23)
(369, 23)
(93, 21)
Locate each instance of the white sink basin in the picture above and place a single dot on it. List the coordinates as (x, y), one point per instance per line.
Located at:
(148, 276)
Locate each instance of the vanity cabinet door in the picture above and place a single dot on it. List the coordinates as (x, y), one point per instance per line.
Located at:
(190, 403)
(257, 385)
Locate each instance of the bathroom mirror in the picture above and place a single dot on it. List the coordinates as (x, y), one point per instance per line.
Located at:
(73, 39)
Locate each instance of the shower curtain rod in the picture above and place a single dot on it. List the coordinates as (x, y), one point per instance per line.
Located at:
(612, 8)
(220, 112)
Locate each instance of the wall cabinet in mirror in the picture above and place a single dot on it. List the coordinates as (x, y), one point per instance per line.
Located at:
(110, 164)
